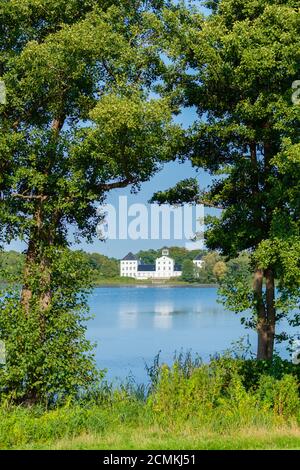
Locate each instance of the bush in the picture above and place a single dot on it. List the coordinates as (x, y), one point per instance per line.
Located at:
(230, 389)
(282, 396)
(48, 358)
(252, 370)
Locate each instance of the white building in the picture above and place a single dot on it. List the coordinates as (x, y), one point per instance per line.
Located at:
(198, 261)
(129, 266)
(164, 267)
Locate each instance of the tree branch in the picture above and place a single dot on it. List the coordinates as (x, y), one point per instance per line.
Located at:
(30, 197)
(211, 204)
(117, 184)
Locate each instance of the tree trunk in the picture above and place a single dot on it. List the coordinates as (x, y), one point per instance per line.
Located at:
(266, 314)
(36, 293)
(45, 295)
(271, 312)
(26, 294)
(31, 260)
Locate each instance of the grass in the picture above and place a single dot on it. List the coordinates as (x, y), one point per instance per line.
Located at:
(185, 438)
(127, 281)
(132, 426)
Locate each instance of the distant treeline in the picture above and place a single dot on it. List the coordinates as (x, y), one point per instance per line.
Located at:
(214, 269)
(12, 263)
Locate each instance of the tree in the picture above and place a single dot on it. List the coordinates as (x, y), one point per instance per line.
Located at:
(47, 357)
(179, 254)
(245, 57)
(220, 269)
(148, 256)
(283, 246)
(188, 271)
(11, 265)
(102, 266)
(78, 122)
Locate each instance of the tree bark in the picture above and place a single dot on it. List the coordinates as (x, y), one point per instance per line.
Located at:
(26, 294)
(36, 293)
(31, 260)
(271, 311)
(266, 313)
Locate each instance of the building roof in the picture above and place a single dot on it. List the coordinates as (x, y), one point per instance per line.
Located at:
(146, 267)
(130, 257)
(151, 267)
(199, 257)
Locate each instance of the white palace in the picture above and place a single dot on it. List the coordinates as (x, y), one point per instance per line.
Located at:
(164, 267)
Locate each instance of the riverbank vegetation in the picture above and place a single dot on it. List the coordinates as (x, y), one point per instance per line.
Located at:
(231, 403)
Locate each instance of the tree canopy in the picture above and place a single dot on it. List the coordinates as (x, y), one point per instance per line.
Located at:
(237, 68)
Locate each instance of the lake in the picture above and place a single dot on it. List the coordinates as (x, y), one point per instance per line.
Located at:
(132, 324)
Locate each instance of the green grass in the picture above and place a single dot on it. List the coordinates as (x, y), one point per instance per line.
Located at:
(131, 425)
(127, 281)
(187, 439)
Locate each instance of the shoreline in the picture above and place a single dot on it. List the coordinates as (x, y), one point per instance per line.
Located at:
(151, 286)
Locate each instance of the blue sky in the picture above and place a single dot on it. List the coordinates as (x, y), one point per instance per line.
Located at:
(170, 175)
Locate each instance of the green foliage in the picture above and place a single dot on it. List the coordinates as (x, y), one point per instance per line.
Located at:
(21, 427)
(251, 371)
(220, 270)
(133, 427)
(226, 388)
(236, 287)
(280, 395)
(188, 271)
(81, 118)
(78, 120)
(215, 270)
(186, 191)
(207, 274)
(102, 266)
(179, 254)
(48, 358)
(11, 266)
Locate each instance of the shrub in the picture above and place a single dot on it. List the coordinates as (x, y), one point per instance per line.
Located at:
(179, 396)
(282, 396)
(232, 389)
(48, 358)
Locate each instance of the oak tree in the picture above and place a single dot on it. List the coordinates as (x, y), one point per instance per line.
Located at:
(79, 120)
(237, 67)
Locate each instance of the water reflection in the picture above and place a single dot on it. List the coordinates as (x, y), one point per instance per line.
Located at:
(128, 317)
(163, 318)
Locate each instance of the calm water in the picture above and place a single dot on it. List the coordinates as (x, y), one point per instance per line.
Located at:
(132, 324)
